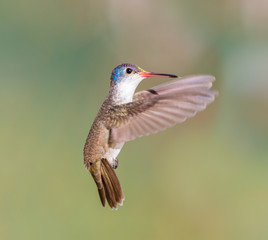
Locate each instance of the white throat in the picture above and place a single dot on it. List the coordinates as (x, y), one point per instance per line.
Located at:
(123, 92)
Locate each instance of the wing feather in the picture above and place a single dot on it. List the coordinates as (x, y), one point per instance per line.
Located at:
(160, 107)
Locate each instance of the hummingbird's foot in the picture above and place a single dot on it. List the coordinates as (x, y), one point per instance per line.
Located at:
(115, 163)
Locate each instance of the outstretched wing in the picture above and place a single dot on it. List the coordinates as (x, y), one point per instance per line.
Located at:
(159, 108)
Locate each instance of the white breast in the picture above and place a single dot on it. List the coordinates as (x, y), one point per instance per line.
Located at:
(112, 153)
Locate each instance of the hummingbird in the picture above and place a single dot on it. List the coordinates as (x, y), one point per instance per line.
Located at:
(126, 115)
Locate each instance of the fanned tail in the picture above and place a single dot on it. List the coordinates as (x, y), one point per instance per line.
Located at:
(110, 188)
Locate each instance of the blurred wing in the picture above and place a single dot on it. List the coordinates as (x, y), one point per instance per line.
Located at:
(159, 108)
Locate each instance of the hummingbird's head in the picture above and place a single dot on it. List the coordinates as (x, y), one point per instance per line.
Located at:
(126, 72)
(129, 73)
(124, 80)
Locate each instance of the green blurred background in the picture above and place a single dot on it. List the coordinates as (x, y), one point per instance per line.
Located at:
(204, 179)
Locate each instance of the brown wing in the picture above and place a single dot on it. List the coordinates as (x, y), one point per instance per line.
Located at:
(160, 107)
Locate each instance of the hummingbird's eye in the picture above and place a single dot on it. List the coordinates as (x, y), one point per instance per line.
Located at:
(129, 70)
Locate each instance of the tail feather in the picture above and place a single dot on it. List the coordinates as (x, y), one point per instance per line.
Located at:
(111, 189)
(101, 190)
(108, 187)
(115, 182)
(102, 196)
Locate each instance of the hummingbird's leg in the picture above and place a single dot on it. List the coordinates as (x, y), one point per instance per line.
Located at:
(115, 163)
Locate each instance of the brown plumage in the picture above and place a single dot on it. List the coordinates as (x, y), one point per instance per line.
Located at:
(125, 116)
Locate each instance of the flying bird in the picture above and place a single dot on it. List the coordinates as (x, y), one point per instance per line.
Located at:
(126, 115)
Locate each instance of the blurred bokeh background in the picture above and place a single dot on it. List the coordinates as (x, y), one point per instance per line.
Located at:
(203, 179)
